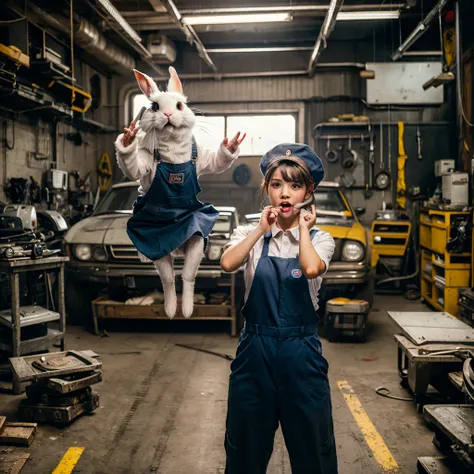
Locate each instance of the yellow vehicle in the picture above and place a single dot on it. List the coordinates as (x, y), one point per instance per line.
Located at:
(349, 274)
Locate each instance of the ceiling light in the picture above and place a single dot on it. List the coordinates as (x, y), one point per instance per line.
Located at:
(259, 50)
(368, 15)
(230, 19)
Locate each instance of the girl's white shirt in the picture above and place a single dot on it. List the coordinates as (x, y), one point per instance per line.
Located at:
(283, 244)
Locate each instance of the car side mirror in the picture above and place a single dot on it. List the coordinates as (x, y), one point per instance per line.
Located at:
(359, 211)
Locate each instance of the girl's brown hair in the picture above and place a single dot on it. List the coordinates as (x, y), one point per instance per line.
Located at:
(291, 172)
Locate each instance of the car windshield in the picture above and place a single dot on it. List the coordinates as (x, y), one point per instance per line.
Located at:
(118, 200)
(329, 200)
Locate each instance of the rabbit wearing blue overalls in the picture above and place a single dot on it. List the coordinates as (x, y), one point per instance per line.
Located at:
(168, 219)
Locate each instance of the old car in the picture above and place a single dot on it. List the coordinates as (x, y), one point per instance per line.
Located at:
(103, 258)
(349, 273)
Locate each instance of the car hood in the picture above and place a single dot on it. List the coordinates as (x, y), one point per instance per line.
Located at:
(108, 229)
(355, 232)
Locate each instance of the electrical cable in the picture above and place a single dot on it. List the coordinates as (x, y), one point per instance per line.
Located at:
(387, 394)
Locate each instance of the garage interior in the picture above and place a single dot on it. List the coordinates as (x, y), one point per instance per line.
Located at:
(94, 377)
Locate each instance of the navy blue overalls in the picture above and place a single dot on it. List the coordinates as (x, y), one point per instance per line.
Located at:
(279, 376)
(170, 212)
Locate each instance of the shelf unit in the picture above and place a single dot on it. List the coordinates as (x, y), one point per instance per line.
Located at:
(442, 272)
(104, 308)
(17, 320)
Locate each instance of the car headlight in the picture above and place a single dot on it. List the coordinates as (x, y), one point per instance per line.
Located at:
(214, 252)
(352, 251)
(83, 252)
(99, 254)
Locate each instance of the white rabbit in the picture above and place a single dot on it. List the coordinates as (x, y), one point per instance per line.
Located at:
(168, 218)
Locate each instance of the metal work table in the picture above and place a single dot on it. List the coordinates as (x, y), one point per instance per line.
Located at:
(13, 268)
(427, 349)
(433, 328)
(427, 364)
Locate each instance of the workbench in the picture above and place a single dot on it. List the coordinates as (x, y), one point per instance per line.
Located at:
(16, 318)
(426, 349)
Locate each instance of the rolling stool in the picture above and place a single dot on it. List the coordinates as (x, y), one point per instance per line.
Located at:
(345, 317)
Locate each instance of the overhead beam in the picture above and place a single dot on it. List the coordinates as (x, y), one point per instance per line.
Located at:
(324, 33)
(420, 30)
(188, 30)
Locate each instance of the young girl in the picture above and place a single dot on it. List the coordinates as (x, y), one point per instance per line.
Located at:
(279, 374)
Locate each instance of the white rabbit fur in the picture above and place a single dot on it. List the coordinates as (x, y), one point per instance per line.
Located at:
(174, 144)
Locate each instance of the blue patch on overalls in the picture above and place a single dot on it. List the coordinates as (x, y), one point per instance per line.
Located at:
(176, 178)
(296, 273)
(170, 212)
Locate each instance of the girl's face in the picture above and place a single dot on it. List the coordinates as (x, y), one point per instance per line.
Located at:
(285, 194)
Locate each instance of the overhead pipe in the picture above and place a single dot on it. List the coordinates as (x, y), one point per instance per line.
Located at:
(420, 30)
(88, 37)
(189, 32)
(237, 75)
(326, 29)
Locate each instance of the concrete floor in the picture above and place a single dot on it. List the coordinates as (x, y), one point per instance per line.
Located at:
(162, 407)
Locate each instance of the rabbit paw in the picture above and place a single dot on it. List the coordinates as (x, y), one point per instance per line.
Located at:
(170, 300)
(188, 298)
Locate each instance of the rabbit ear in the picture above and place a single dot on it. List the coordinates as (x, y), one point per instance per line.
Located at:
(146, 83)
(174, 84)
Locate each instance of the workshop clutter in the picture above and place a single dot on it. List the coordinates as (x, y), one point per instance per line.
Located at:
(61, 385)
(435, 351)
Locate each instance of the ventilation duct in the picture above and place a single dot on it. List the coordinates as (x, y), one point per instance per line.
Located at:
(88, 37)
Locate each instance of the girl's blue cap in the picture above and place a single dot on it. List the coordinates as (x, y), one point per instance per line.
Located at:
(300, 153)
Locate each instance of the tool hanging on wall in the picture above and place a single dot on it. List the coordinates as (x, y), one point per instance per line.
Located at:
(402, 158)
(331, 155)
(382, 179)
(350, 157)
(370, 166)
(105, 172)
(418, 144)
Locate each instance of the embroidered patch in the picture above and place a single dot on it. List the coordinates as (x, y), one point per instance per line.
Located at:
(176, 178)
(296, 273)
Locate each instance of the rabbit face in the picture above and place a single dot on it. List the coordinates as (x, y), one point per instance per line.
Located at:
(167, 114)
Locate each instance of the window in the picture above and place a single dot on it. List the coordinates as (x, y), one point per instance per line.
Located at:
(263, 131)
(209, 131)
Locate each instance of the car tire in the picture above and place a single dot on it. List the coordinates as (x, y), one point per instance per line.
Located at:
(79, 297)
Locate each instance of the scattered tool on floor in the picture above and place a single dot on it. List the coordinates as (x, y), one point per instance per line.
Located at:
(218, 354)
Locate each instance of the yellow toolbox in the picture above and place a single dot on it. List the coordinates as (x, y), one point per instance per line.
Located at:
(445, 240)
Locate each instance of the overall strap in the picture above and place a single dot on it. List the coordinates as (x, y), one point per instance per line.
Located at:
(194, 151)
(312, 233)
(266, 243)
(156, 155)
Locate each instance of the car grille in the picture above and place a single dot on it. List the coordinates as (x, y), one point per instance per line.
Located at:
(128, 254)
(123, 253)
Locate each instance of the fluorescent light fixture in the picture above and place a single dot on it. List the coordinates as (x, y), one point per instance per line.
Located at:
(230, 19)
(368, 15)
(260, 50)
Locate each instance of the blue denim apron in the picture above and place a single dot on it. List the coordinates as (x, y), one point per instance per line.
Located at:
(279, 375)
(170, 212)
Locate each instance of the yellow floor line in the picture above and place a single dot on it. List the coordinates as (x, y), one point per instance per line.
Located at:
(69, 460)
(381, 453)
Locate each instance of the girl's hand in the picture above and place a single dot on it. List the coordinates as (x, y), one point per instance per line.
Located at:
(308, 219)
(129, 134)
(268, 217)
(234, 143)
